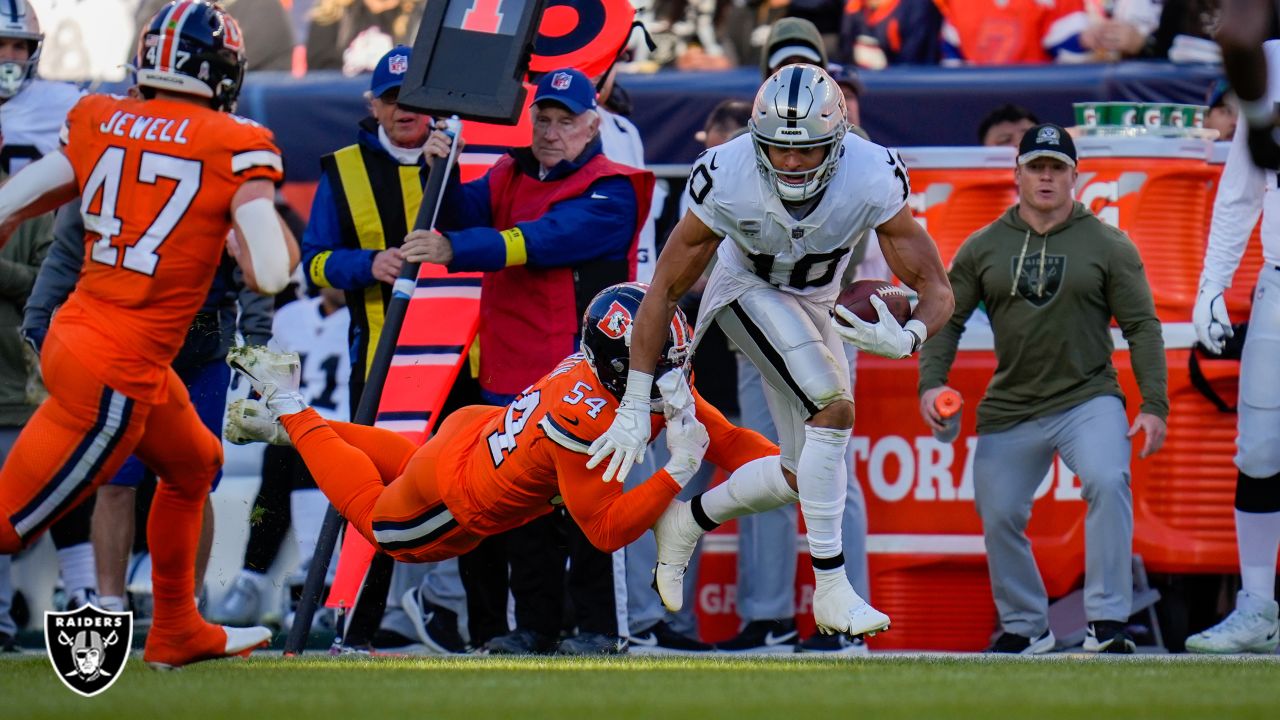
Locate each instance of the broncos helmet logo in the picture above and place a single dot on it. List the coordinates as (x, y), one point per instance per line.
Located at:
(616, 322)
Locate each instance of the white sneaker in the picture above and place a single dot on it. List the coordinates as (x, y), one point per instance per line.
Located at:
(677, 535)
(837, 608)
(242, 640)
(276, 376)
(250, 421)
(242, 605)
(1251, 628)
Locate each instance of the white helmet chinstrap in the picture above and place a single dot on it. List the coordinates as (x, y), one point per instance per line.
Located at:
(798, 106)
(18, 20)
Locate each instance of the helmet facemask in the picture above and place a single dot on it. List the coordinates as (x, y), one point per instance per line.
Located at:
(799, 106)
(23, 25)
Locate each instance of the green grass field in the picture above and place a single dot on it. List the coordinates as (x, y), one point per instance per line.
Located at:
(630, 687)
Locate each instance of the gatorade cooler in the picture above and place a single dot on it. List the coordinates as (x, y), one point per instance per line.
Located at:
(1240, 294)
(1159, 191)
(958, 190)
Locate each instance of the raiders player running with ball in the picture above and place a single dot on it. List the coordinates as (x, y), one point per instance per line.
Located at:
(793, 195)
(1245, 191)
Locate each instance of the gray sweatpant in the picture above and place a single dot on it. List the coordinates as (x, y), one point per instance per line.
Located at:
(1008, 466)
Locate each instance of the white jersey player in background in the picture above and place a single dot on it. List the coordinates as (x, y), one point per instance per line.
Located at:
(792, 195)
(32, 112)
(1244, 191)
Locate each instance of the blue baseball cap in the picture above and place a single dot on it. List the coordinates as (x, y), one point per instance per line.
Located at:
(569, 88)
(390, 70)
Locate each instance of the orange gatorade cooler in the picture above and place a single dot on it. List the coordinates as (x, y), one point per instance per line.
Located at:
(1159, 191)
(958, 190)
(1240, 294)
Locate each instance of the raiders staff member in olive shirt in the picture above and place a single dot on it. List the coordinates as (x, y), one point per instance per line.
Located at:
(1051, 275)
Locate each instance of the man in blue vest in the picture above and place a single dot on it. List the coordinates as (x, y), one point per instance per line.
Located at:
(550, 225)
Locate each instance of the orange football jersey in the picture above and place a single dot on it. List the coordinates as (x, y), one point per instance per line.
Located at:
(520, 461)
(156, 179)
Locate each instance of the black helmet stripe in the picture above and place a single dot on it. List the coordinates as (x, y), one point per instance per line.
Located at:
(793, 96)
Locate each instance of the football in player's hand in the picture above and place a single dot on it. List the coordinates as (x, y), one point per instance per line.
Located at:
(857, 298)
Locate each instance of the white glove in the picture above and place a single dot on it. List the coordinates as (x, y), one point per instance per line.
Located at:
(628, 436)
(687, 440)
(676, 393)
(1213, 324)
(885, 338)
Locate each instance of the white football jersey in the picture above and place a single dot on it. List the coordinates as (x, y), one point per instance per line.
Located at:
(1244, 191)
(321, 342)
(31, 121)
(807, 256)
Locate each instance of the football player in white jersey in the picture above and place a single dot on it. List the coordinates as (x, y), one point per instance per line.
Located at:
(792, 196)
(1245, 190)
(32, 112)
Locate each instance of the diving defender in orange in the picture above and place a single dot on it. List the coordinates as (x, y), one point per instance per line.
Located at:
(163, 179)
(489, 469)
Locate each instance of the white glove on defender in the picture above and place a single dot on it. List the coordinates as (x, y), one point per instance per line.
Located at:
(885, 338)
(1213, 324)
(687, 440)
(628, 436)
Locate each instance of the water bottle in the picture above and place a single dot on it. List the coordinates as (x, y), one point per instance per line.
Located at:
(948, 404)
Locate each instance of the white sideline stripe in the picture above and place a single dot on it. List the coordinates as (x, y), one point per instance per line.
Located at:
(254, 158)
(470, 158)
(460, 293)
(878, 544)
(448, 359)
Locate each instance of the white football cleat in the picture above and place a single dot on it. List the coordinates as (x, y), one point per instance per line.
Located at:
(677, 535)
(1251, 628)
(276, 376)
(242, 641)
(837, 608)
(250, 421)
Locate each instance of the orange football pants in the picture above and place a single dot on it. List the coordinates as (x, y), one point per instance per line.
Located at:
(385, 485)
(79, 438)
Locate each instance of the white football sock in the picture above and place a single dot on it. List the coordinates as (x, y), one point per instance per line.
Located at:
(1258, 542)
(823, 490)
(77, 568)
(111, 603)
(755, 487)
(307, 508)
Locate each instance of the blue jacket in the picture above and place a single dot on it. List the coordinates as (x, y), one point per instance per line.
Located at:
(571, 233)
(347, 268)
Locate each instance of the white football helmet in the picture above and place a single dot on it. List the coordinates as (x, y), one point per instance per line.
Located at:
(798, 106)
(18, 20)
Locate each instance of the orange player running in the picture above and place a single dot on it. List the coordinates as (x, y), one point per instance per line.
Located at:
(163, 178)
(489, 469)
